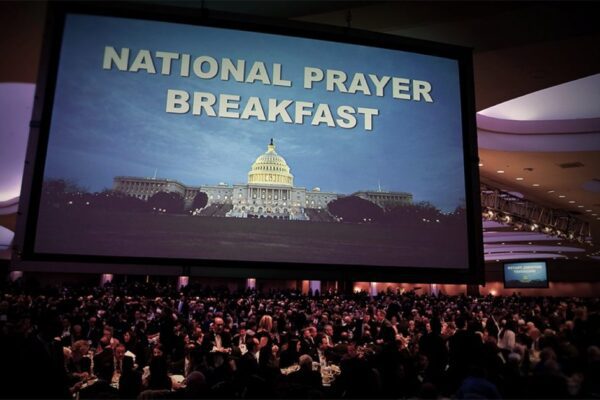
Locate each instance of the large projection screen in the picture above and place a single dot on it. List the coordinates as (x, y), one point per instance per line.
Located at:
(217, 143)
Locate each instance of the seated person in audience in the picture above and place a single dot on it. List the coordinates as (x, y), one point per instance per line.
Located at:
(79, 365)
(324, 350)
(328, 334)
(305, 377)
(159, 378)
(131, 343)
(290, 353)
(239, 339)
(108, 333)
(307, 344)
(76, 333)
(93, 331)
(217, 339)
(120, 351)
(130, 381)
(103, 369)
(190, 362)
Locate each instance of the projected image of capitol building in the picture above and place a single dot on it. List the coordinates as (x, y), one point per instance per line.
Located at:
(269, 193)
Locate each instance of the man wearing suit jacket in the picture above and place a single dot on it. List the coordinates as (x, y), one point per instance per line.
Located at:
(384, 331)
(217, 339)
(308, 345)
(241, 337)
(305, 379)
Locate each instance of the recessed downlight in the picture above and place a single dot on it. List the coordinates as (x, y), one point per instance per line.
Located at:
(500, 171)
(519, 179)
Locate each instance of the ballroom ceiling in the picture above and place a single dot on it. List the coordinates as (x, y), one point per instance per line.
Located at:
(536, 67)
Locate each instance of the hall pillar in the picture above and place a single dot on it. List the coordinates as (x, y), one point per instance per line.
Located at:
(373, 289)
(14, 275)
(106, 278)
(314, 286)
(304, 286)
(182, 281)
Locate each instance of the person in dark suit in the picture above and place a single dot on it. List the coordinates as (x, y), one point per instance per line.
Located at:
(217, 338)
(159, 378)
(79, 367)
(464, 350)
(103, 369)
(291, 354)
(241, 337)
(434, 347)
(130, 382)
(41, 358)
(384, 331)
(308, 345)
(93, 331)
(305, 380)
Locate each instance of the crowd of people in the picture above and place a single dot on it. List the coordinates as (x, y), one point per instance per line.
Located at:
(148, 340)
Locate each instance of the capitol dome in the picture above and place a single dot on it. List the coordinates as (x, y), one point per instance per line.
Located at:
(270, 169)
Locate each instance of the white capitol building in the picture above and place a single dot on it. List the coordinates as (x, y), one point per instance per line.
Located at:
(270, 192)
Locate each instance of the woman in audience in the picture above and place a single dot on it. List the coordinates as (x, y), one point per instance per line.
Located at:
(506, 337)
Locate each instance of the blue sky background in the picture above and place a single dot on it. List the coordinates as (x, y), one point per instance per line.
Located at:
(108, 123)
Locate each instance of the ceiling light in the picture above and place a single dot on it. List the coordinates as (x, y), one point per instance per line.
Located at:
(550, 191)
(562, 196)
(588, 210)
(580, 206)
(500, 171)
(536, 184)
(571, 201)
(519, 179)
(481, 164)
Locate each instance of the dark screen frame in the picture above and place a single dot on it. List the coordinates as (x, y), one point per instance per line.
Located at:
(504, 266)
(26, 258)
